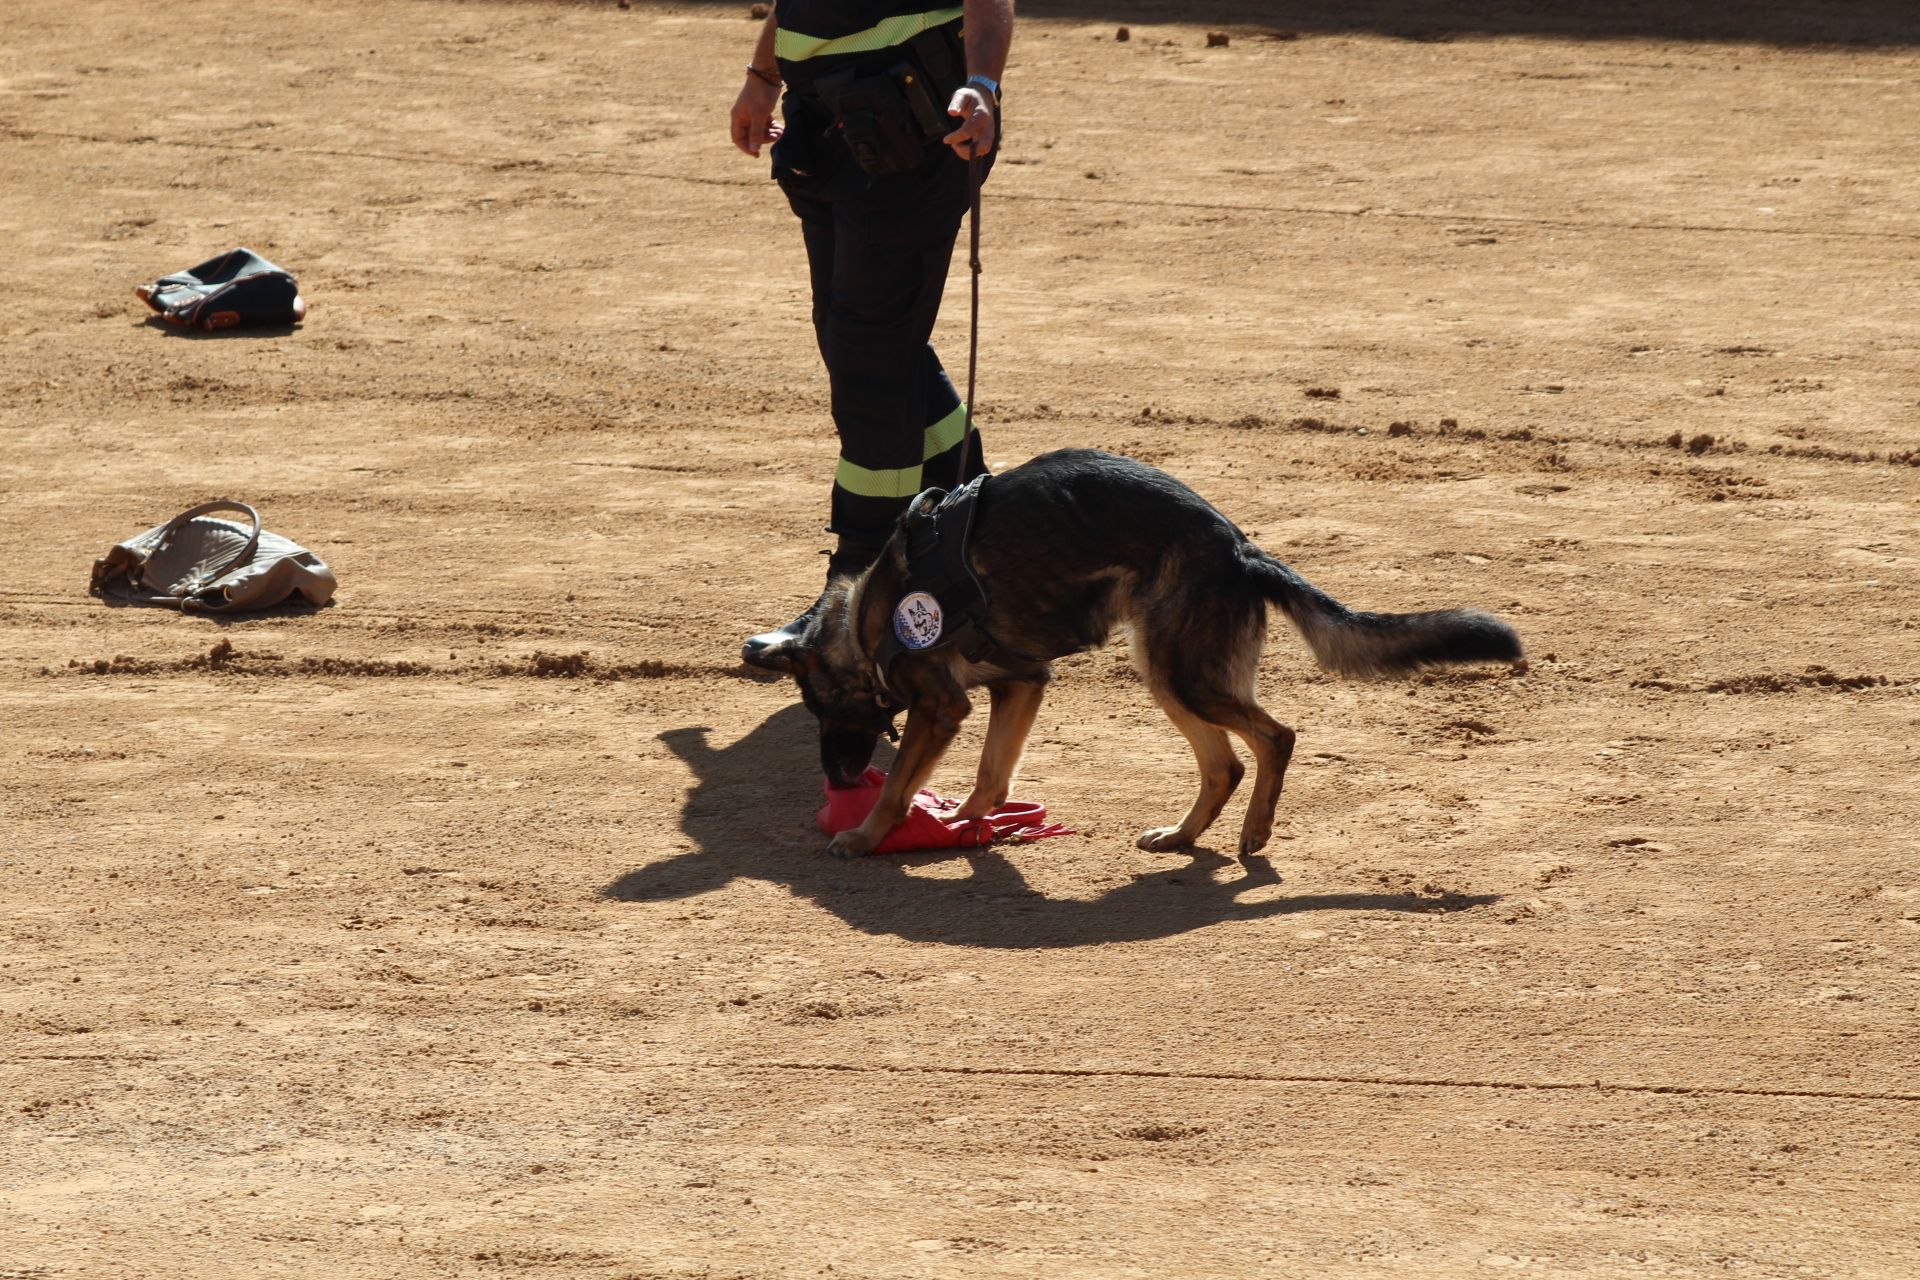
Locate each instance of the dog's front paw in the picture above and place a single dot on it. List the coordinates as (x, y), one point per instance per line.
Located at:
(979, 805)
(850, 844)
(1160, 839)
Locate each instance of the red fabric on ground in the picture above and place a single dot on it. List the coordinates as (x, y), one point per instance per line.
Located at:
(926, 826)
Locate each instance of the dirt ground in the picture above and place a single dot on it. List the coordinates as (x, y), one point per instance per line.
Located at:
(478, 926)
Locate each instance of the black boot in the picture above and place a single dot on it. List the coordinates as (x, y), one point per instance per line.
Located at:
(773, 650)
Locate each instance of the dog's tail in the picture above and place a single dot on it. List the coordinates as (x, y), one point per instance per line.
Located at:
(1369, 644)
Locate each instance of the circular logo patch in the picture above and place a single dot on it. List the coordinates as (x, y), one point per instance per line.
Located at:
(917, 622)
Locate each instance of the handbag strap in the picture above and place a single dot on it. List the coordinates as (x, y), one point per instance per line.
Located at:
(240, 557)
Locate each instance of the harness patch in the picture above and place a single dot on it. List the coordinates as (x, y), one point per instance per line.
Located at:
(917, 621)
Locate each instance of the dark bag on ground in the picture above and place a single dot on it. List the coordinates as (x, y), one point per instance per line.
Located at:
(238, 287)
(200, 564)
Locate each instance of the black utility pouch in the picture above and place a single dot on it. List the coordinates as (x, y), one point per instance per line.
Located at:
(935, 66)
(943, 62)
(888, 118)
(876, 122)
(929, 117)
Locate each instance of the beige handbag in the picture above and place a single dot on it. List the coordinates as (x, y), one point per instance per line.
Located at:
(206, 565)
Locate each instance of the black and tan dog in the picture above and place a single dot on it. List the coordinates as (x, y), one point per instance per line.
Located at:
(1066, 548)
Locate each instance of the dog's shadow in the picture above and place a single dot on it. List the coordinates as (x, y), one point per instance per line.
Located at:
(736, 818)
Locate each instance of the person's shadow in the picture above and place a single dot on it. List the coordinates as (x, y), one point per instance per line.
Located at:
(751, 815)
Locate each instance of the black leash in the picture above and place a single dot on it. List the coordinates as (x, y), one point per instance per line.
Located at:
(973, 261)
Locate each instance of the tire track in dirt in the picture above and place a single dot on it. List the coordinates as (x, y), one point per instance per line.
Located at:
(1255, 1077)
(1449, 431)
(1148, 1073)
(224, 659)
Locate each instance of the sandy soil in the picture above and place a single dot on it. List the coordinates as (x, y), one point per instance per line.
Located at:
(477, 925)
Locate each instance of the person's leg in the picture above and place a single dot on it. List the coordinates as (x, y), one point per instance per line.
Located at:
(878, 251)
(902, 427)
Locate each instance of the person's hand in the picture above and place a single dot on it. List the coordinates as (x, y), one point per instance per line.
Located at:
(753, 122)
(972, 108)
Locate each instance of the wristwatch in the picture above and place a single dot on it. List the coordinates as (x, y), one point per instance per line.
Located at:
(988, 83)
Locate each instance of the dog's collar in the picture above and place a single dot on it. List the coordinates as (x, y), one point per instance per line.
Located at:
(941, 603)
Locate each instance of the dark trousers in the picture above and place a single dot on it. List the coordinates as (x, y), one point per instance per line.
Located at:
(878, 249)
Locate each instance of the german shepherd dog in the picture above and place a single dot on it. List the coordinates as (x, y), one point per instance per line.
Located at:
(1067, 547)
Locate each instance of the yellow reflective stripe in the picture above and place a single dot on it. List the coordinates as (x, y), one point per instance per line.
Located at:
(946, 433)
(904, 482)
(792, 46)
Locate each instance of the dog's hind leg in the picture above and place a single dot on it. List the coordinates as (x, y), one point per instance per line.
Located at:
(1272, 745)
(1014, 705)
(1220, 770)
(1222, 693)
(1220, 773)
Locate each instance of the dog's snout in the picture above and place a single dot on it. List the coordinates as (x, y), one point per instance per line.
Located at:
(846, 753)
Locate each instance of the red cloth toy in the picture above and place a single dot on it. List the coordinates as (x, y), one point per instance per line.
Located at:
(929, 823)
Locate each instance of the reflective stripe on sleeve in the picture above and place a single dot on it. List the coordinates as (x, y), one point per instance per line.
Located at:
(792, 46)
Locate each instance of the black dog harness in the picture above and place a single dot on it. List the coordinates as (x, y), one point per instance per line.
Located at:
(942, 603)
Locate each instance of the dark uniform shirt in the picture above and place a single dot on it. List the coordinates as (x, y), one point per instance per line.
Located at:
(819, 37)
